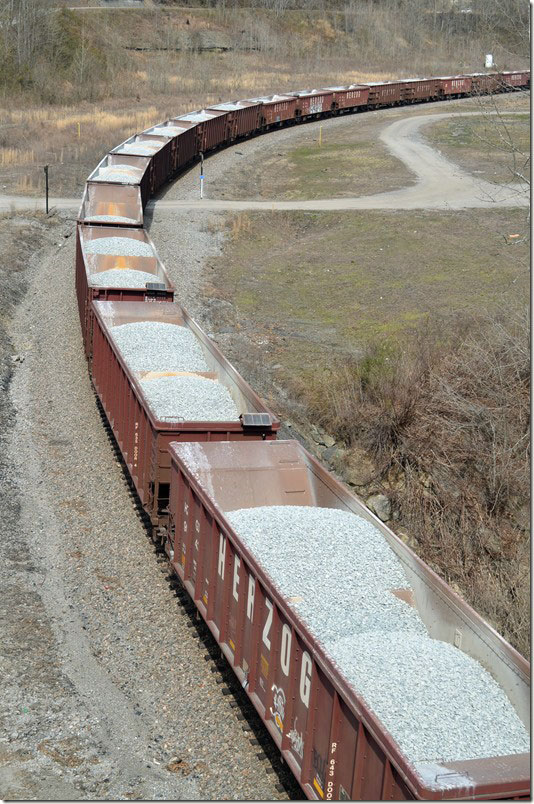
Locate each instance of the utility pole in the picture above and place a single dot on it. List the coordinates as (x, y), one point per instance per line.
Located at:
(46, 186)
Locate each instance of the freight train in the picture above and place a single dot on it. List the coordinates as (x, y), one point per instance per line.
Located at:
(201, 450)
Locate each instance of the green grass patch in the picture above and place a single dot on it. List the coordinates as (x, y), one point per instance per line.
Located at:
(330, 283)
(496, 148)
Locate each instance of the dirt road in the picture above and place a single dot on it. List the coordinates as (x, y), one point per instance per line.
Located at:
(440, 184)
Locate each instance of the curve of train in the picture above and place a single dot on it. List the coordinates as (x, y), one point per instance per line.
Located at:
(209, 448)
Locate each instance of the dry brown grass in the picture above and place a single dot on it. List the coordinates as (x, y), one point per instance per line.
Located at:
(16, 156)
(447, 425)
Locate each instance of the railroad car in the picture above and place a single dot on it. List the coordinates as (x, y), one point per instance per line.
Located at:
(313, 102)
(115, 204)
(243, 118)
(184, 145)
(159, 151)
(350, 97)
(332, 741)
(388, 93)
(454, 86)
(90, 262)
(415, 90)
(275, 110)
(515, 79)
(484, 83)
(210, 126)
(116, 169)
(172, 132)
(142, 437)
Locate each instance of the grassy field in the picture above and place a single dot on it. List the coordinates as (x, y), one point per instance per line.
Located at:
(338, 281)
(495, 150)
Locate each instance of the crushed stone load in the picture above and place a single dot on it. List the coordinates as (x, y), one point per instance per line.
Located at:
(338, 572)
(166, 131)
(119, 247)
(437, 702)
(304, 550)
(143, 147)
(190, 398)
(122, 278)
(119, 173)
(111, 218)
(156, 346)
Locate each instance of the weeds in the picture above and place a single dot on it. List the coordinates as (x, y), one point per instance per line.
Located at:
(451, 419)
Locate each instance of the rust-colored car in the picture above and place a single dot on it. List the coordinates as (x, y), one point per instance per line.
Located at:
(454, 85)
(385, 93)
(313, 102)
(142, 437)
(111, 205)
(275, 109)
(243, 117)
(335, 745)
(89, 263)
(415, 90)
(210, 127)
(350, 97)
(158, 149)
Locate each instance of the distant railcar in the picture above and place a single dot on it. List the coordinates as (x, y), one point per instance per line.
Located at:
(275, 109)
(350, 97)
(313, 102)
(387, 93)
(243, 117)
(415, 90)
(454, 86)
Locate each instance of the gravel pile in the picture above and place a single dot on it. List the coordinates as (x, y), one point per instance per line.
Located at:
(119, 247)
(124, 175)
(143, 147)
(111, 218)
(121, 278)
(155, 346)
(406, 679)
(166, 131)
(197, 399)
(379, 642)
(304, 549)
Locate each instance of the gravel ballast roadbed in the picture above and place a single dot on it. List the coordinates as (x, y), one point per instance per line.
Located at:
(190, 399)
(155, 346)
(119, 247)
(339, 574)
(122, 278)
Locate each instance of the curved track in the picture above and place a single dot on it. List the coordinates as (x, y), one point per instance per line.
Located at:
(440, 184)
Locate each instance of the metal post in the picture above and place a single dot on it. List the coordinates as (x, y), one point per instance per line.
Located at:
(201, 174)
(46, 186)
